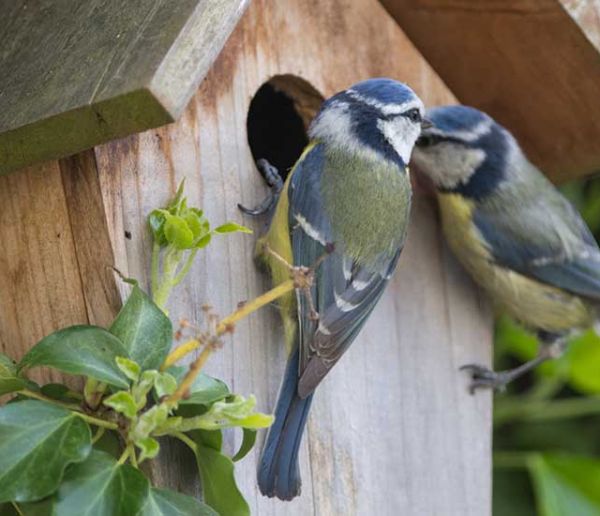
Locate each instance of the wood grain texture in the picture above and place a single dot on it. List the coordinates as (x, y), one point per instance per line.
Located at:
(534, 65)
(55, 257)
(392, 429)
(75, 74)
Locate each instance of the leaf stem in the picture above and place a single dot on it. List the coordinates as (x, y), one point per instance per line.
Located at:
(41, 397)
(185, 269)
(98, 435)
(154, 266)
(182, 437)
(97, 422)
(125, 455)
(17, 508)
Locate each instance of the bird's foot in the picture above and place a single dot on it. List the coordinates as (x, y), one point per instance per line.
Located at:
(273, 179)
(483, 377)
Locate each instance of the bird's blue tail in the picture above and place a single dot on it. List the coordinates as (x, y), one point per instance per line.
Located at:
(278, 470)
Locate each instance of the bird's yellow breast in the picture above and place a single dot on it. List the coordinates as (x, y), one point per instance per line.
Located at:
(536, 304)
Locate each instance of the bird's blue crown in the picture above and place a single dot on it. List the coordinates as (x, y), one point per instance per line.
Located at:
(474, 129)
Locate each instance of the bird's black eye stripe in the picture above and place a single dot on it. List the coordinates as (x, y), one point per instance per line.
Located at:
(414, 115)
(426, 140)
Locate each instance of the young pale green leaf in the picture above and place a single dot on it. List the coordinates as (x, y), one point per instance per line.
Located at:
(248, 440)
(205, 389)
(37, 442)
(143, 387)
(101, 487)
(204, 241)
(218, 482)
(164, 384)
(144, 329)
(164, 502)
(156, 221)
(231, 412)
(9, 381)
(148, 421)
(123, 403)
(566, 485)
(84, 350)
(177, 232)
(149, 448)
(129, 368)
(232, 227)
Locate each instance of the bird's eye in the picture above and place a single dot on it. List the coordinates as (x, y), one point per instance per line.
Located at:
(414, 115)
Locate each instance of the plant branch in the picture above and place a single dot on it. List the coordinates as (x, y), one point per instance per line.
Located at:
(182, 437)
(227, 323)
(97, 422)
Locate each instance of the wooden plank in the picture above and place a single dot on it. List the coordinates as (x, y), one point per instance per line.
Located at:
(75, 74)
(533, 65)
(91, 238)
(392, 429)
(40, 287)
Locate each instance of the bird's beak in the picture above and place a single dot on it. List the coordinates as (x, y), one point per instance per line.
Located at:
(426, 123)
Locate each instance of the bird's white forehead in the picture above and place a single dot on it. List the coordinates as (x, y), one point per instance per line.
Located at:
(387, 109)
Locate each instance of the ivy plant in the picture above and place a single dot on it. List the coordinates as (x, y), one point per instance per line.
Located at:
(66, 452)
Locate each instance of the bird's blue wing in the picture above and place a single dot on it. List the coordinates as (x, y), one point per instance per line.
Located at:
(550, 243)
(344, 293)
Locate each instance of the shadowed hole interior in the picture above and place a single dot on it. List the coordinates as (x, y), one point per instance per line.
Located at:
(278, 119)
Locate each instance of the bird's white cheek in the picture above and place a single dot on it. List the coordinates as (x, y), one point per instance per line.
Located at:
(446, 165)
(400, 134)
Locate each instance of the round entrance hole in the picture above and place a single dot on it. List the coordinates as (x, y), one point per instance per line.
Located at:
(278, 120)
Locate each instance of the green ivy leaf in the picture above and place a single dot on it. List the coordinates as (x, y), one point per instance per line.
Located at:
(123, 403)
(9, 381)
(232, 227)
(566, 485)
(177, 232)
(248, 440)
(129, 368)
(583, 356)
(164, 384)
(204, 391)
(85, 350)
(102, 487)
(218, 482)
(144, 329)
(58, 391)
(37, 442)
(149, 448)
(164, 502)
(231, 412)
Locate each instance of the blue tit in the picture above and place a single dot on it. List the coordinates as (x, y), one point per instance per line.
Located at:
(348, 195)
(512, 230)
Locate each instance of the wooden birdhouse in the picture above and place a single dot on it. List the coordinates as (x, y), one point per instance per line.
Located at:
(105, 107)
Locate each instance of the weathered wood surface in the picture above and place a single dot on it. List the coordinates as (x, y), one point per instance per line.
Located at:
(392, 429)
(79, 73)
(534, 65)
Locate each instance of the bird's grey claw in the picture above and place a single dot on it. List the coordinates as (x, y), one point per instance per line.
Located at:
(483, 377)
(272, 177)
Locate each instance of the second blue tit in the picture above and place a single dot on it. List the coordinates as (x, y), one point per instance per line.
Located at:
(350, 191)
(520, 239)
